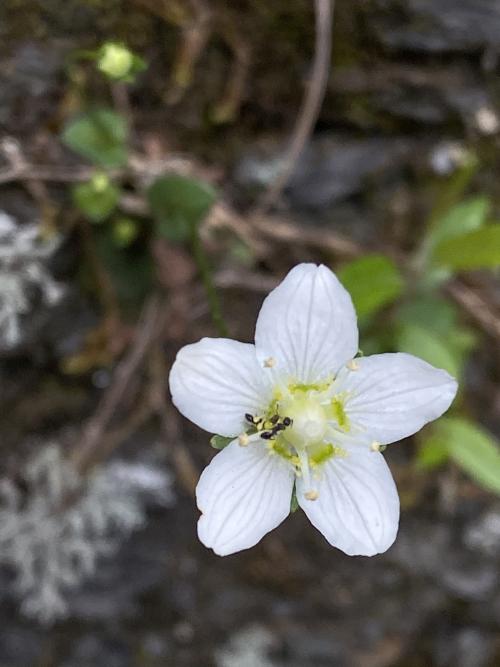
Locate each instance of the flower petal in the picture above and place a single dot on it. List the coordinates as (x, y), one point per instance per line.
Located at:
(357, 509)
(307, 325)
(244, 493)
(216, 381)
(391, 396)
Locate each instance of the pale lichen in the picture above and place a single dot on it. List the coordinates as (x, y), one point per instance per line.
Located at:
(55, 526)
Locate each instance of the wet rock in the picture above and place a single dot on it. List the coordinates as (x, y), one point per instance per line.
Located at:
(469, 580)
(463, 647)
(92, 649)
(430, 95)
(419, 550)
(155, 648)
(113, 593)
(333, 168)
(420, 547)
(19, 647)
(28, 80)
(314, 646)
(445, 26)
(483, 533)
(247, 648)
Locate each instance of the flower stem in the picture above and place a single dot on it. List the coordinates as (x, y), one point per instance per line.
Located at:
(203, 265)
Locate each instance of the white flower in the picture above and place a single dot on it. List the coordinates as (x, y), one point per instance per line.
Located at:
(301, 410)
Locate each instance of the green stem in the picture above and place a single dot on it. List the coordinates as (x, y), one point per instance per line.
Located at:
(202, 262)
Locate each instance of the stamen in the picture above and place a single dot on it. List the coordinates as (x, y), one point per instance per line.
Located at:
(243, 440)
(352, 365)
(269, 362)
(310, 494)
(377, 446)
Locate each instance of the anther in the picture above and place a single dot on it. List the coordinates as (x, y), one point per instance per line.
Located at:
(243, 440)
(249, 417)
(267, 435)
(274, 419)
(287, 421)
(311, 495)
(269, 362)
(352, 365)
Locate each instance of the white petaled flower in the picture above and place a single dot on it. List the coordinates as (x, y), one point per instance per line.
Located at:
(302, 410)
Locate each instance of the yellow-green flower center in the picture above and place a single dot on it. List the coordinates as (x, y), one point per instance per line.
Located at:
(309, 420)
(300, 425)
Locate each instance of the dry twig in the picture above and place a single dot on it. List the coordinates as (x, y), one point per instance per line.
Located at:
(87, 450)
(311, 104)
(475, 306)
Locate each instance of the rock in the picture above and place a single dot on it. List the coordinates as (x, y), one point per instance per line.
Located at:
(19, 647)
(28, 79)
(463, 647)
(430, 95)
(94, 649)
(469, 580)
(444, 26)
(334, 168)
(483, 533)
(247, 648)
(331, 168)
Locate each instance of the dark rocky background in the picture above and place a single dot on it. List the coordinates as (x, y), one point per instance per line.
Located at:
(412, 80)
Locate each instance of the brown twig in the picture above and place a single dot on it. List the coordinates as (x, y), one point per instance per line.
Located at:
(245, 280)
(87, 451)
(227, 107)
(311, 104)
(475, 306)
(285, 231)
(254, 229)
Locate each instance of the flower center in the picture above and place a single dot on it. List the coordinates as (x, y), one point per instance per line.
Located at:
(298, 426)
(309, 422)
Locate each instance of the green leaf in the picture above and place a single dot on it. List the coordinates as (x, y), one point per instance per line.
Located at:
(179, 204)
(373, 281)
(96, 198)
(430, 311)
(479, 249)
(472, 448)
(131, 269)
(99, 136)
(423, 343)
(220, 441)
(432, 453)
(461, 219)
